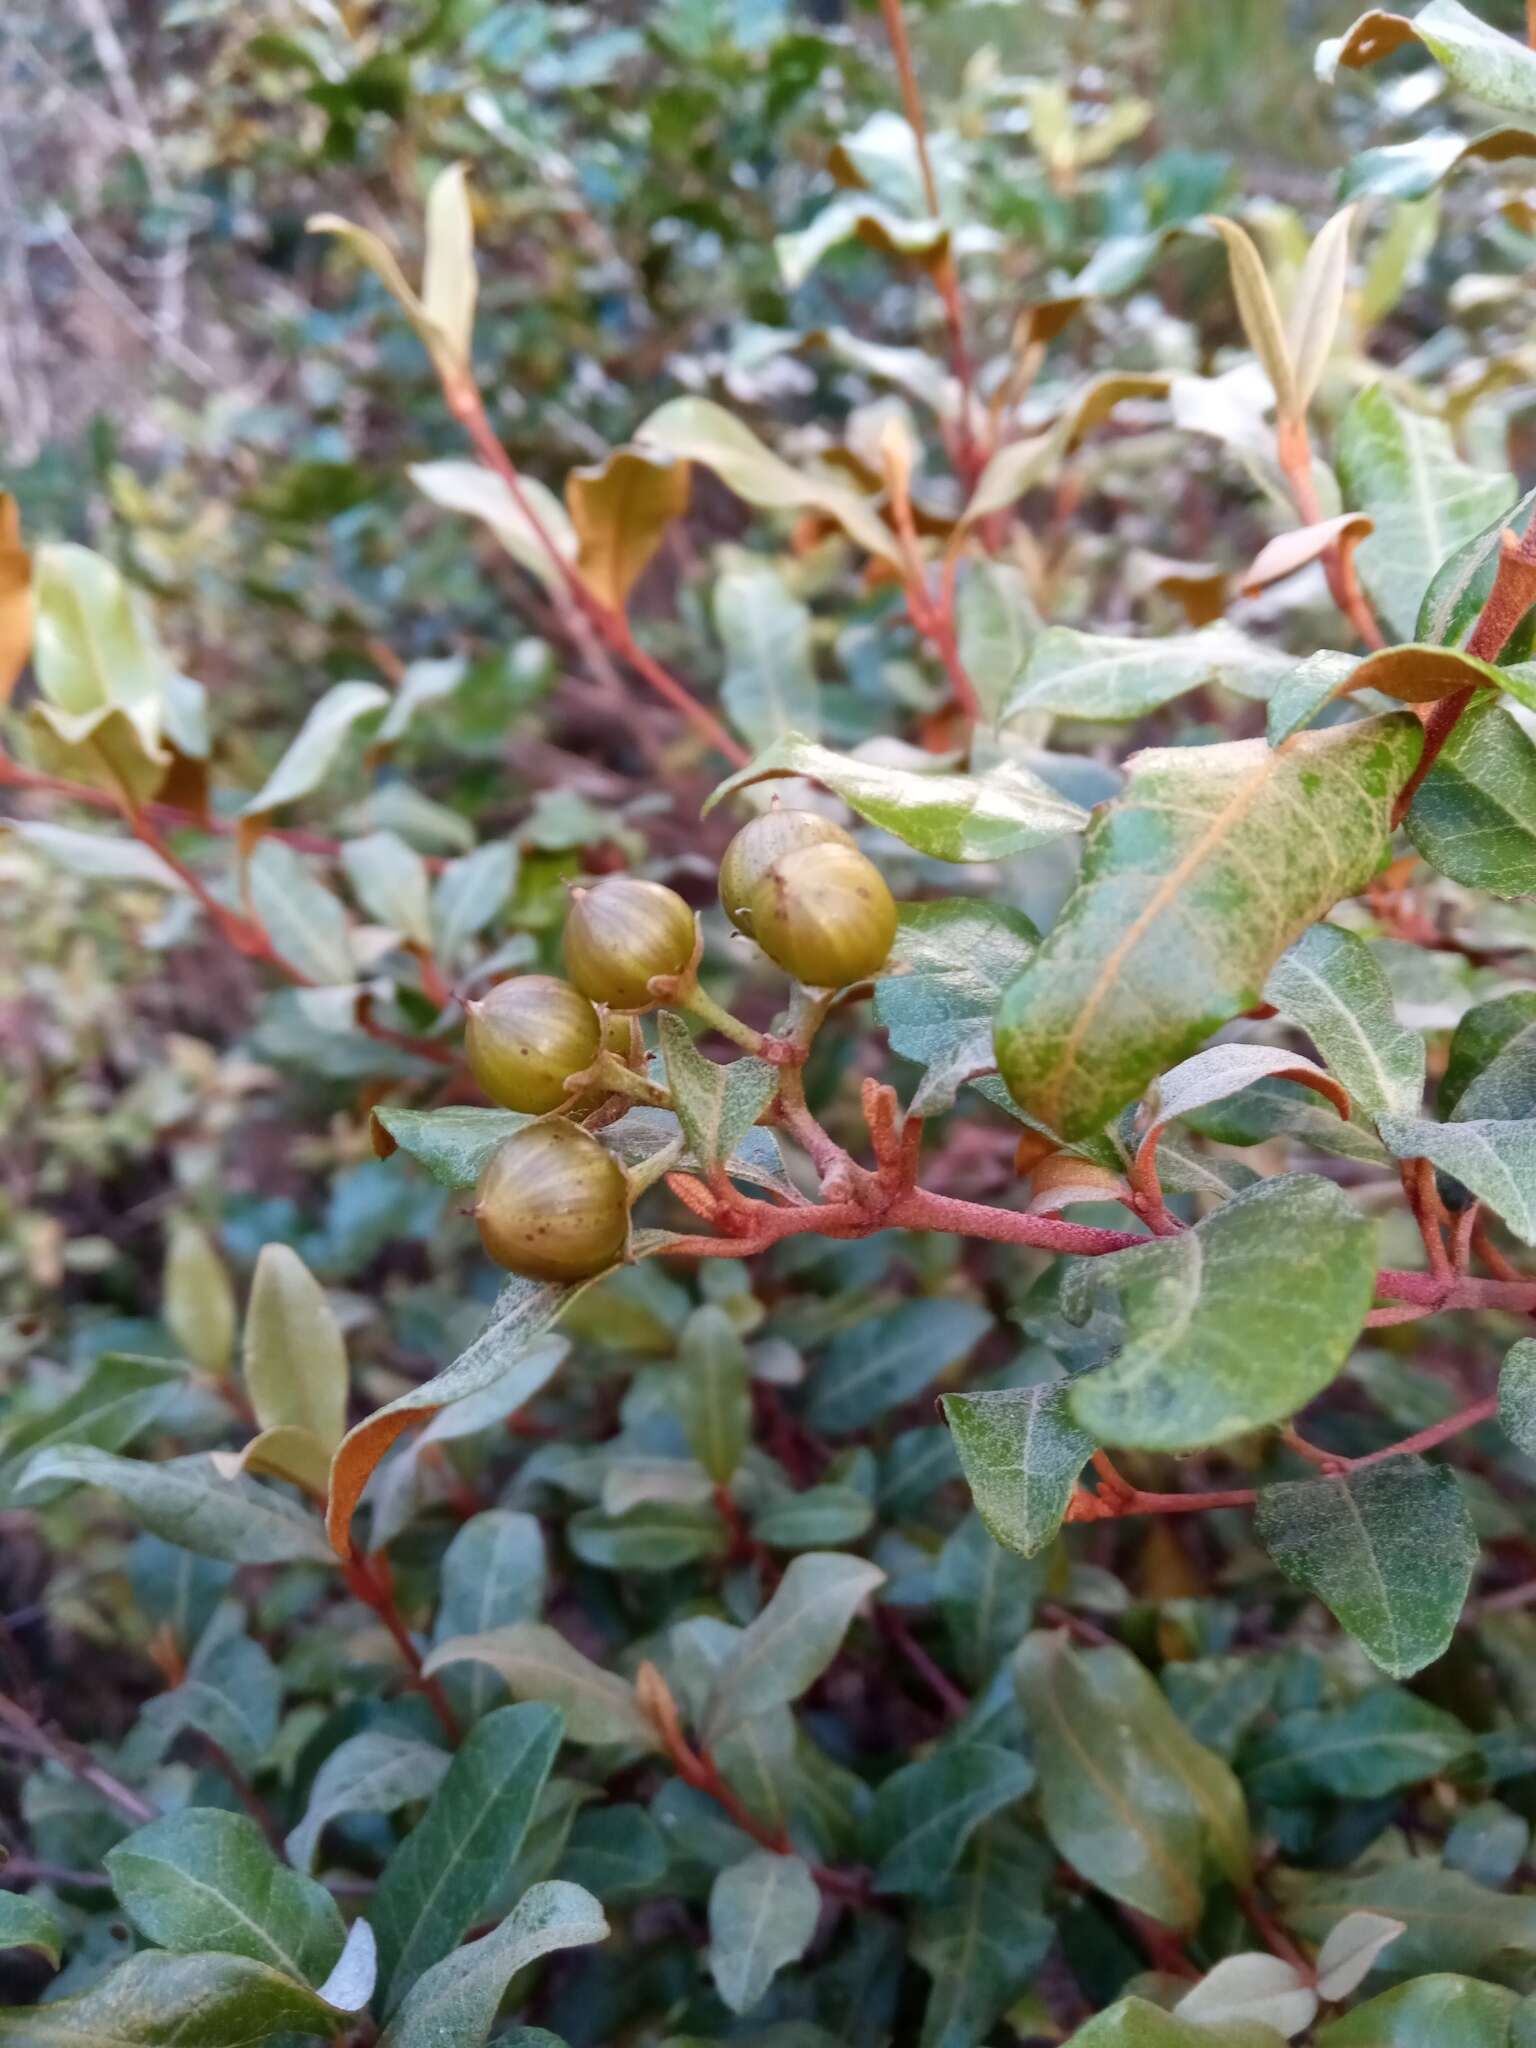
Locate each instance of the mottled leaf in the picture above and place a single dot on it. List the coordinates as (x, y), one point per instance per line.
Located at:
(1194, 881)
(1390, 1549)
(950, 816)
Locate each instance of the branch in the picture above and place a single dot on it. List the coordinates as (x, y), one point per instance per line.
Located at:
(39, 1741)
(468, 408)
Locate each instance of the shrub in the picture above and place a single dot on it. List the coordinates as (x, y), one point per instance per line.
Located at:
(1012, 1144)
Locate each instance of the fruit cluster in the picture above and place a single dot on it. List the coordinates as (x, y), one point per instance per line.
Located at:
(554, 1202)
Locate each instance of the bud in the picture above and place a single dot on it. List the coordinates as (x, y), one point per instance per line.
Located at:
(758, 845)
(824, 915)
(525, 1036)
(553, 1204)
(622, 932)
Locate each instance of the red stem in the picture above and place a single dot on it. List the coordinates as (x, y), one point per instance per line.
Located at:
(368, 1580)
(465, 403)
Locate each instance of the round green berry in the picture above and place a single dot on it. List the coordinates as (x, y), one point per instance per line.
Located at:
(553, 1204)
(824, 914)
(620, 934)
(758, 845)
(525, 1036)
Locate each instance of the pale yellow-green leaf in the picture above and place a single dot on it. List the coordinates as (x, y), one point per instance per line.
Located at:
(295, 1360)
(1319, 301)
(285, 1451)
(471, 488)
(448, 280)
(1258, 312)
(700, 431)
(198, 1300)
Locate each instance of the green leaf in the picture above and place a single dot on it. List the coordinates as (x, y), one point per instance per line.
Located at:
(295, 1357)
(820, 1518)
(119, 1398)
(1332, 986)
(26, 1922)
(1490, 1070)
(315, 749)
(1480, 59)
(616, 1852)
(996, 625)
(951, 817)
(943, 980)
(441, 1878)
(770, 685)
(1449, 1923)
(713, 1391)
(305, 922)
(374, 1772)
(205, 1879)
(1303, 691)
(1474, 815)
(1402, 468)
(389, 879)
(1107, 678)
(984, 1937)
(457, 2000)
(1464, 581)
(1517, 1395)
(1219, 1073)
(1494, 1160)
(701, 431)
(469, 895)
(479, 493)
(231, 1692)
(187, 1501)
(1431, 2012)
(155, 2000)
(654, 1536)
(762, 1914)
(1136, 2023)
(1390, 1549)
(453, 1144)
(855, 216)
(792, 1641)
(1194, 881)
(1410, 170)
(109, 698)
(987, 1597)
(1380, 1742)
(1021, 1452)
(1132, 1801)
(884, 1360)
(1291, 1257)
(96, 856)
(495, 1572)
(925, 1813)
(505, 1348)
(538, 1663)
(716, 1103)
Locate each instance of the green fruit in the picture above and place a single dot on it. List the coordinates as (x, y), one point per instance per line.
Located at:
(553, 1204)
(757, 846)
(525, 1036)
(622, 932)
(824, 915)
